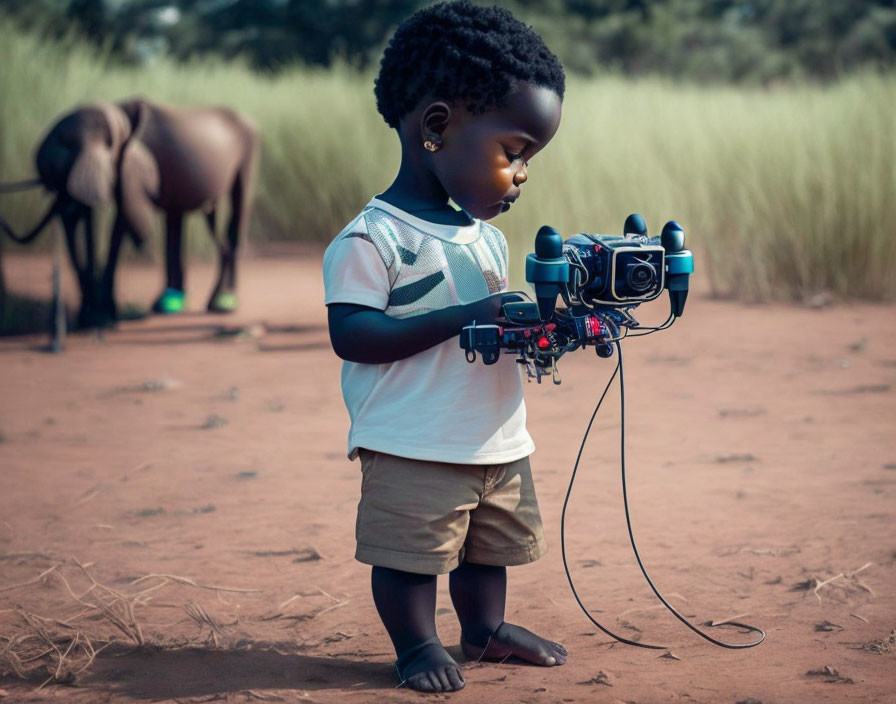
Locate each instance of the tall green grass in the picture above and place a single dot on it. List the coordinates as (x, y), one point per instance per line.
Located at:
(784, 192)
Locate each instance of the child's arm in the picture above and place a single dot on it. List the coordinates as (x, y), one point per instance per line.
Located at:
(368, 335)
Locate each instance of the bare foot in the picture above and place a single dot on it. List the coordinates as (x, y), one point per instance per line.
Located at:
(509, 640)
(429, 668)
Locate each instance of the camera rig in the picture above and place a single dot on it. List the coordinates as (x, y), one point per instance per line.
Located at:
(601, 279)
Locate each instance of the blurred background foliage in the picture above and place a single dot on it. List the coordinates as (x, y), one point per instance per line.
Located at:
(720, 40)
(764, 126)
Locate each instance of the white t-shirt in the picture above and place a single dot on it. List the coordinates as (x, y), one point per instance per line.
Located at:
(434, 405)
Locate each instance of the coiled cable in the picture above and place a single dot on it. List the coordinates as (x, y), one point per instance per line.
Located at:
(737, 646)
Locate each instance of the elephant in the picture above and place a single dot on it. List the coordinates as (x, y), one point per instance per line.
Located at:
(146, 157)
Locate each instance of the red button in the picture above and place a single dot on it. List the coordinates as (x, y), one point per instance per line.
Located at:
(543, 342)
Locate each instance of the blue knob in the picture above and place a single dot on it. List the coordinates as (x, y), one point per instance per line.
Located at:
(672, 237)
(548, 243)
(634, 225)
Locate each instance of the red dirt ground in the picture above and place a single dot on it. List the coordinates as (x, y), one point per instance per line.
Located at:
(761, 462)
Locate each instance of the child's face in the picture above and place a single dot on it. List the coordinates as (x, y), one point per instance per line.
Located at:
(483, 159)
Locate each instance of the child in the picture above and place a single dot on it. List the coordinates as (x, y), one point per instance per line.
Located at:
(473, 94)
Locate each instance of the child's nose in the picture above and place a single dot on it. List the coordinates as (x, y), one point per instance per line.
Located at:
(520, 177)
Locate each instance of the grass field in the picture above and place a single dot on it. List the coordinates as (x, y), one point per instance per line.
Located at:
(785, 192)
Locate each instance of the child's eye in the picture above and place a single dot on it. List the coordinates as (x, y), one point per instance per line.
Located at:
(513, 156)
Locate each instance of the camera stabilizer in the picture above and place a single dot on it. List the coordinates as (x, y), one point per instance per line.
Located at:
(602, 279)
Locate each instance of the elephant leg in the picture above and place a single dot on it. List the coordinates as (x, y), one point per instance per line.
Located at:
(89, 244)
(71, 214)
(211, 219)
(174, 246)
(173, 299)
(103, 315)
(119, 228)
(224, 299)
(221, 300)
(70, 217)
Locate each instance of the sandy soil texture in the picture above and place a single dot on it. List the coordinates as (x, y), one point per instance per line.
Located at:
(179, 489)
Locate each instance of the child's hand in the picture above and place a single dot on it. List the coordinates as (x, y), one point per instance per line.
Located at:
(486, 310)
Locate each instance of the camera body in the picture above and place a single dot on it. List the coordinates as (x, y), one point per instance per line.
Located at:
(601, 278)
(610, 271)
(616, 270)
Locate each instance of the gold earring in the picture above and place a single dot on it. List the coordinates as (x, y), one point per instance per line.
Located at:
(431, 146)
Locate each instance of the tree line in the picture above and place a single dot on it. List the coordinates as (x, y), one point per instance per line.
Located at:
(707, 40)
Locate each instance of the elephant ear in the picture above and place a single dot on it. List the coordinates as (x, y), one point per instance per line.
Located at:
(92, 178)
(139, 173)
(93, 175)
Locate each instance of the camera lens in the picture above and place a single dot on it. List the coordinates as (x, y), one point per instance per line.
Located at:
(640, 277)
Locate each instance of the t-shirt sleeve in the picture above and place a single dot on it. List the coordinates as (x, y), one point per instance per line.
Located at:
(354, 272)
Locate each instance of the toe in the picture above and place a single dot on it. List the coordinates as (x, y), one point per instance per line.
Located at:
(421, 683)
(560, 653)
(435, 679)
(441, 676)
(455, 679)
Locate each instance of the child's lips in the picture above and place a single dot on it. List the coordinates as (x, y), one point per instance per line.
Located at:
(506, 203)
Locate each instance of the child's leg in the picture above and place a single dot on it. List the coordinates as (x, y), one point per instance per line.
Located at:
(478, 593)
(406, 603)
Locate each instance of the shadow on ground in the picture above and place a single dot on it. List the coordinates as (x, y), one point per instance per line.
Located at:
(25, 315)
(170, 674)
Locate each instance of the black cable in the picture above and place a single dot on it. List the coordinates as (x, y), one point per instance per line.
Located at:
(572, 480)
(667, 323)
(648, 330)
(631, 535)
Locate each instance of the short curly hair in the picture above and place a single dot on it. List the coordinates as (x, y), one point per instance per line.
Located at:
(457, 51)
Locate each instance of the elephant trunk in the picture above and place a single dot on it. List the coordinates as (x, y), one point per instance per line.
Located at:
(20, 185)
(25, 239)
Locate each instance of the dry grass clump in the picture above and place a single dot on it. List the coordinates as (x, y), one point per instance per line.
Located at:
(58, 650)
(830, 675)
(883, 645)
(846, 582)
(46, 648)
(215, 629)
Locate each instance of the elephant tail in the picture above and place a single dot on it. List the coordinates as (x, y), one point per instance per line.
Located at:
(20, 185)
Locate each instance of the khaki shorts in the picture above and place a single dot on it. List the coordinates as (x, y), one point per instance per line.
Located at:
(427, 517)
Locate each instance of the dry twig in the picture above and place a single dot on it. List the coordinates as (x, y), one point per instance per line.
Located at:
(191, 583)
(723, 621)
(30, 581)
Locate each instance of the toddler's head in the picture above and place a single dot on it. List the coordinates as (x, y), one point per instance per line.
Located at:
(474, 94)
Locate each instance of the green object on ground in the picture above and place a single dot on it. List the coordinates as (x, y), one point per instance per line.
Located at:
(224, 302)
(171, 301)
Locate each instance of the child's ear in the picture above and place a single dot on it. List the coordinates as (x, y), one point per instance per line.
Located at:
(433, 122)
